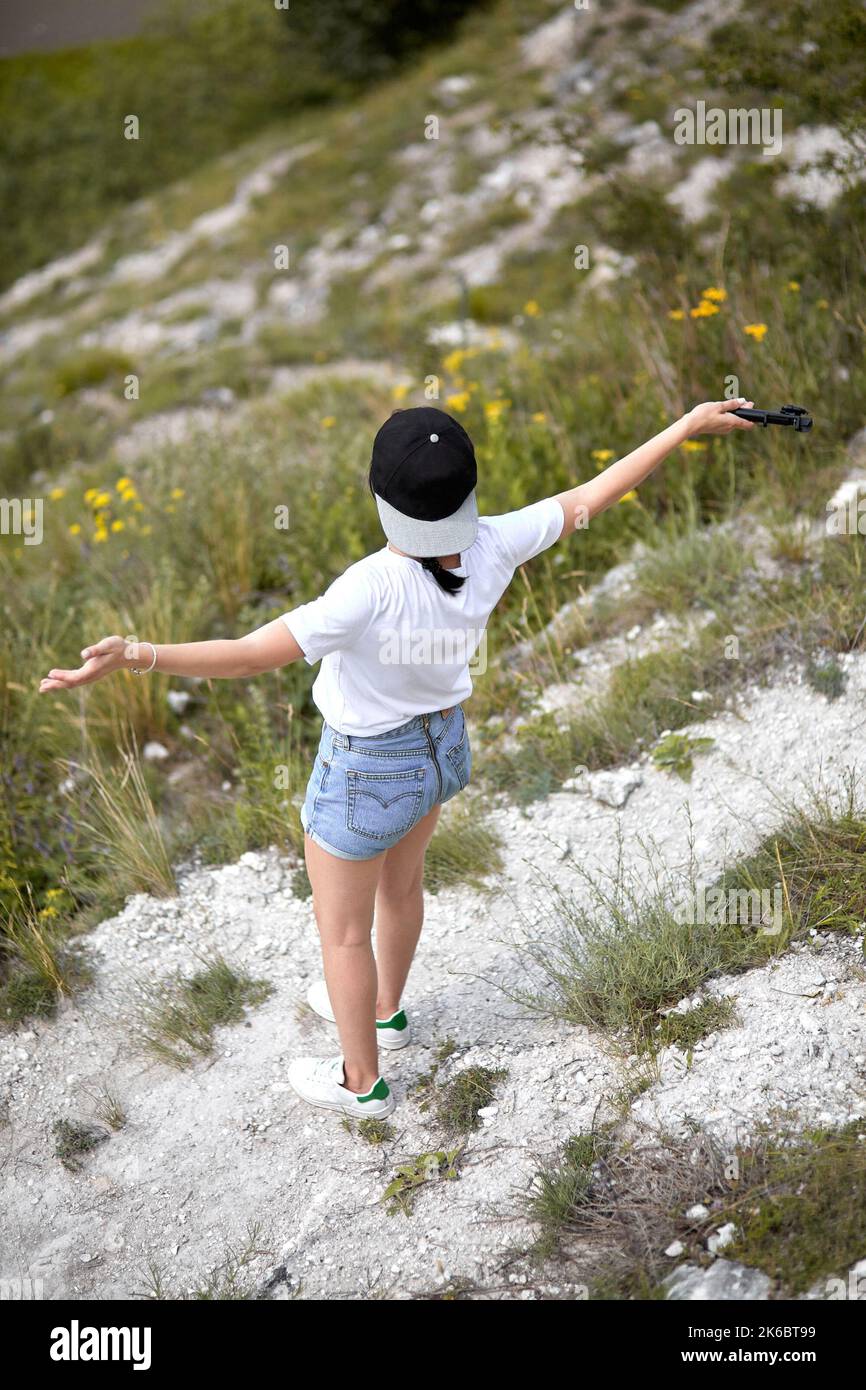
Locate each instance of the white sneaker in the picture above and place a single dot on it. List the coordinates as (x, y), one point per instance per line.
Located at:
(391, 1033)
(321, 1081)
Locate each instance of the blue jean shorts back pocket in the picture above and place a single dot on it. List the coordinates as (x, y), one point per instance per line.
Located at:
(383, 805)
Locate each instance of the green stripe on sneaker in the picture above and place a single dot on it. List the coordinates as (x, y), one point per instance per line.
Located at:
(379, 1092)
(397, 1021)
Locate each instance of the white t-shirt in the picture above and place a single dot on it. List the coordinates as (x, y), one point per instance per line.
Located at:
(393, 644)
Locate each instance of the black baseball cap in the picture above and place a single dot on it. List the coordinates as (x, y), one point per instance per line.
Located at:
(423, 476)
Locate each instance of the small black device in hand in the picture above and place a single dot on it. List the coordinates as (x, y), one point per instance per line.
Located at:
(793, 415)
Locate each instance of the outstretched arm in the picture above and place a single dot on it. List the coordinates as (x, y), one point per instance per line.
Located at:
(266, 649)
(582, 503)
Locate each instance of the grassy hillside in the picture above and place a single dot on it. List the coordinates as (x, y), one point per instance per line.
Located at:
(199, 77)
(447, 265)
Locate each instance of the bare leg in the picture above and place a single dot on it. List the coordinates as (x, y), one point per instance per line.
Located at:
(400, 912)
(343, 895)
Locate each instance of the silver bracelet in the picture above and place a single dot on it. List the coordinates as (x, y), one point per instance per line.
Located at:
(136, 671)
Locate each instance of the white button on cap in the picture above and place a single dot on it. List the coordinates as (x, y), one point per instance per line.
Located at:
(434, 438)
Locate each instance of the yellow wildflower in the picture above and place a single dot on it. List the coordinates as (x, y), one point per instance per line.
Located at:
(458, 401)
(91, 493)
(532, 308)
(102, 499)
(139, 507)
(629, 496)
(539, 417)
(602, 455)
(676, 314)
(56, 493)
(75, 529)
(100, 535)
(793, 286)
(399, 392)
(123, 483)
(704, 310)
(823, 304)
(454, 360)
(755, 330)
(118, 525)
(693, 445)
(146, 530)
(493, 409)
(328, 422)
(715, 293)
(177, 493)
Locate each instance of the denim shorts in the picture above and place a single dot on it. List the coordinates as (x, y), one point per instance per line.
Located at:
(365, 794)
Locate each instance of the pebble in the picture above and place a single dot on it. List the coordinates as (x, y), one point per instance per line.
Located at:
(722, 1237)
(614, 788)
(154, 752)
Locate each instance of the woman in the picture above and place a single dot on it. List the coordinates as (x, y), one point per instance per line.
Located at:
(394, 634)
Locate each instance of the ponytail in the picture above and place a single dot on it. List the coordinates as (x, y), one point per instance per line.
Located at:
(446, 579)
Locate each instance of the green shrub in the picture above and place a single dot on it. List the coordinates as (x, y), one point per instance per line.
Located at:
(90, 368)
(562, 1188)
(178, 1017)
(801, 1218)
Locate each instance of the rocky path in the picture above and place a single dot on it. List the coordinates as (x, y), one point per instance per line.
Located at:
(207, 1151)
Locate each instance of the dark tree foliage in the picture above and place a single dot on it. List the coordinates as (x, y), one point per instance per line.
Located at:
(362, 40)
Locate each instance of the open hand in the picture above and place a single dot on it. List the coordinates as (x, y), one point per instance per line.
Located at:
(110, 654)
(714, 417)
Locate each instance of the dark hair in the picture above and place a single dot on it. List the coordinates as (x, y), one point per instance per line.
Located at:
(446, 579)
